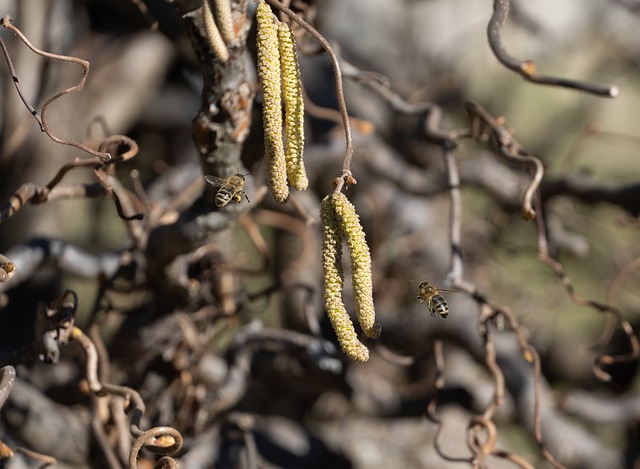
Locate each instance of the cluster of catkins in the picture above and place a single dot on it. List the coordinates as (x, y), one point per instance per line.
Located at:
(279, 74)
(340, 221)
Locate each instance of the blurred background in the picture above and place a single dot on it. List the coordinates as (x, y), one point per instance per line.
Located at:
(227, 341)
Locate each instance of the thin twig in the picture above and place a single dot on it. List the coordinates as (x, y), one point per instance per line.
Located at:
(162, 440)
(345, 177)
(16, 82)
(104, 157)
(527, 69)
(438, 384)
(456, 267)
(612, 294)
(493, 311)
(511, 150)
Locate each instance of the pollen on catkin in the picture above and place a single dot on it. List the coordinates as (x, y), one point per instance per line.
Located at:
(293, 107)
(214, 39)
(360, 264)
(334, 282)
(269, 74)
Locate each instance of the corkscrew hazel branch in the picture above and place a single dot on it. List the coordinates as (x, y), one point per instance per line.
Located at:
(6, 22)
(527, 69)
(270, 77)
(334, 283)
(294, 108)
(509, 149)
(160, 440)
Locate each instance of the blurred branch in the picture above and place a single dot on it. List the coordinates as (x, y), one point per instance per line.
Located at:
(599, 409)
(123, 149)
(250, 341)
(582, 188)
(162, 440)
(7, 377)
(66, 257)
(509, 149)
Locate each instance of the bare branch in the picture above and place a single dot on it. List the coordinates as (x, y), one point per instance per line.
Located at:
(527, 69)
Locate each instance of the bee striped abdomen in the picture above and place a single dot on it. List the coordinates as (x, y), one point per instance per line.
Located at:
(231, 188)
(436, 304)
(224, 196)
(439, 306)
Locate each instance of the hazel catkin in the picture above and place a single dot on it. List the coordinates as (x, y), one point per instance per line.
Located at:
(269, 73)
(360, 256)
(334, 283)
(293, 107)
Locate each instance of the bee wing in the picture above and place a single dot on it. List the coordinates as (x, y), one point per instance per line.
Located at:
(214, 180)
(450, 291)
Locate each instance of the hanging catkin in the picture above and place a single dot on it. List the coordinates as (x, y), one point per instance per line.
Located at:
(270, 76)
(293, 108)
(334, 283)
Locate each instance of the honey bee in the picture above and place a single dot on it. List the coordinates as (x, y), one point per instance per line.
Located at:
(231, 189)
(436, 304)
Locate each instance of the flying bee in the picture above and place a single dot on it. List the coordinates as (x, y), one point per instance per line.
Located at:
(231, 189)
(436, 304)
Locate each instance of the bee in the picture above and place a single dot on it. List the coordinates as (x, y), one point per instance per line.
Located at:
(231, 189)
(436, 304)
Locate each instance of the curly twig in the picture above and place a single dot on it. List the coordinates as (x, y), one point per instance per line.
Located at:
(612, 294)
(6, 22)
(345, 177)
(16, 82)
(529, 353)
(511, 150)
(438, 384)
(120, 146)
(604, 359)
(161, 440)
(527, 69)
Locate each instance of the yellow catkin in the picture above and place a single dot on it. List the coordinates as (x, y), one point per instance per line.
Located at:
(214, 39)
(269, 73)
(334, 282)
(293, 107)
(360, 264)
(222, 9)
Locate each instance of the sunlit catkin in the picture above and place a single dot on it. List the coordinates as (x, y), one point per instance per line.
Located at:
(360, 263)
(214, 39)
(269, 73)
(293, 107)
(334, 282)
